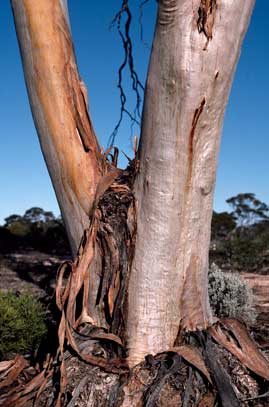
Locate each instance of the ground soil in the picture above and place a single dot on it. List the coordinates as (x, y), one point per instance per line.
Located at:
(31, 270)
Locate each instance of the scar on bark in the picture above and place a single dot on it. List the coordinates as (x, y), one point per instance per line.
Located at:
(195, 119)
(167, 13)
(206, 18)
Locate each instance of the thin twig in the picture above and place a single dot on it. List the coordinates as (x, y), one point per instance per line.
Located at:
(128, 61)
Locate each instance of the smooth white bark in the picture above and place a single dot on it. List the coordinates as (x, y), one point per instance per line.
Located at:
(188, 84)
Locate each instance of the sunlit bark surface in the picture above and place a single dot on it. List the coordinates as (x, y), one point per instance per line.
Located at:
(58, 101)
(195, 51)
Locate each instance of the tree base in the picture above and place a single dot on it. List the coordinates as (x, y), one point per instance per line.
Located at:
(198, 373)
(220, 366)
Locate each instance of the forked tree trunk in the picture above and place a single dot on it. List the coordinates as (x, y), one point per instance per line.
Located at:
(194, 55)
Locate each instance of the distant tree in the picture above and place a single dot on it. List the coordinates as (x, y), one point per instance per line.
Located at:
(17, 225)
(55, 238)
(13, 233)
(222, 224)
(47, 233)
(36, 215)
(11, 219)
(247, 209)
(37, 229)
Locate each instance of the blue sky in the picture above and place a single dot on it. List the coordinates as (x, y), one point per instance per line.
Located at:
(243, 161)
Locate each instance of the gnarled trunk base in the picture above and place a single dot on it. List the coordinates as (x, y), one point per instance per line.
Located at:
(176, 378)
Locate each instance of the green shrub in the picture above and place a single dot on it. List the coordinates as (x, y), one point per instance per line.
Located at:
(22, 323)
(230, 296)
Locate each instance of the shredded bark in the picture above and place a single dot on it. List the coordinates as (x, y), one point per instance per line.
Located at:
(232, 335)
(165, 369)
(109, 230)
(206, 18)
(220, 377)
(168, 379)
(115, 238)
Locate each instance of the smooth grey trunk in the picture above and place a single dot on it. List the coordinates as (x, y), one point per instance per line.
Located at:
(195, 51)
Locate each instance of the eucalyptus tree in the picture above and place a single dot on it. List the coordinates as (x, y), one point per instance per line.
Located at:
(170, 183)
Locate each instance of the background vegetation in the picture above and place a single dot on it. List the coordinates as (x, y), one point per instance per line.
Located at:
(22, 323)
(239, 242)
(35, 230)
(240, 239)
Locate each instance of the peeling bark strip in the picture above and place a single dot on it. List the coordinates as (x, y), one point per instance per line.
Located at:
(109, 230)
(219, 375)
(195, 119)
(232, 335)
(114, 236)
(205, 22)
(58, 101)
(116, 241)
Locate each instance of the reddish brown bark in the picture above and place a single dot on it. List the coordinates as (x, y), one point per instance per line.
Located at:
(58, 100)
